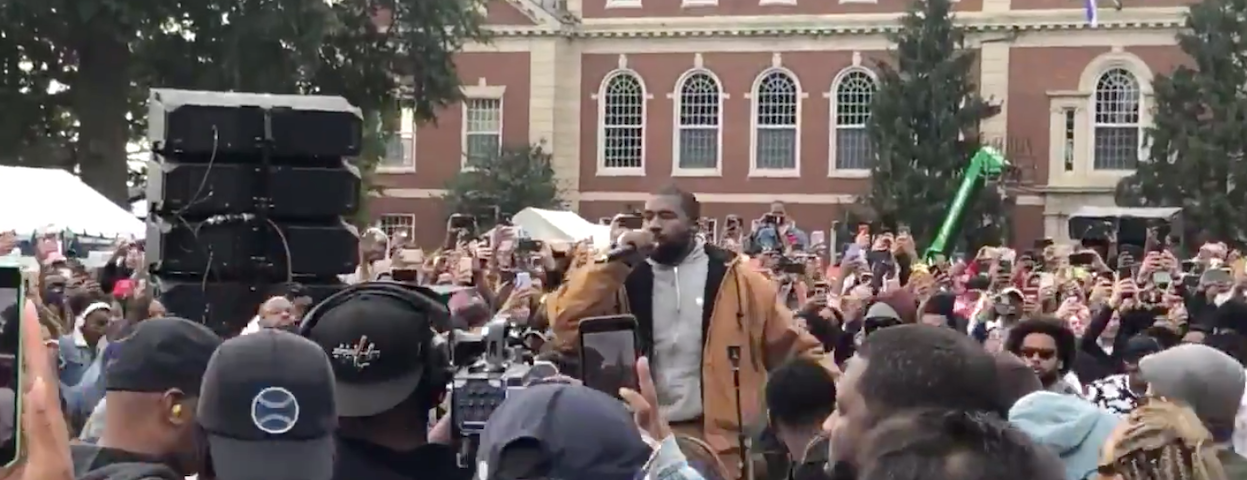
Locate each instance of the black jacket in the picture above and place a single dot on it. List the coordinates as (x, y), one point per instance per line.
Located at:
(97, 463)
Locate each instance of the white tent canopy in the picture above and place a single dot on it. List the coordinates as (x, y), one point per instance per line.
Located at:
(51, 199)
(560, 226)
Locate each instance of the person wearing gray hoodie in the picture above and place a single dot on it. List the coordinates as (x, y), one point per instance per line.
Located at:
(1208, 381)
(1071, 427)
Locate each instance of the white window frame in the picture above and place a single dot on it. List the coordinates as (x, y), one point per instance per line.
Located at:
(677, 97)
(711, 233)
(602, 169)
(754, 171)
(777, 2)
(1095, 110)
(464, 132)
(406, 222)
(833, 121)
(407, 134)
(1082, 101)
(623, 4)
(699, 3)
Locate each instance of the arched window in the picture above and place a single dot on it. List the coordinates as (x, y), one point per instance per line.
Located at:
(776, 99)
(1117, 129)
(853, 95)
(622, 122)
(698, 120)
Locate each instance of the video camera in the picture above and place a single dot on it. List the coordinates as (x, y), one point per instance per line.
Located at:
(489, 367)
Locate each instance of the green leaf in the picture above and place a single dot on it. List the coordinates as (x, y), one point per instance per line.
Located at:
(516, 178)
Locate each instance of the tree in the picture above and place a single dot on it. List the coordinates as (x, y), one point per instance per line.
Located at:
(516, 178)
(74, 75)
(1195, 153)
(924, 122)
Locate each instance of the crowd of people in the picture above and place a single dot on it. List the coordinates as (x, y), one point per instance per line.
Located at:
(764, 353)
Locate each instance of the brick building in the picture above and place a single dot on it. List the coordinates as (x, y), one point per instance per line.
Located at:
(749, 101)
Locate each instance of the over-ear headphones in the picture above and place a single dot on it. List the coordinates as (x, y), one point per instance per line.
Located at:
(437, 368)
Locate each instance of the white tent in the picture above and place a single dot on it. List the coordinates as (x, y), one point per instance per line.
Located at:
(560, 226)
(51, 199)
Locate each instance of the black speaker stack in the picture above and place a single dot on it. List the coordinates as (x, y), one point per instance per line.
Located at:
(248, 193)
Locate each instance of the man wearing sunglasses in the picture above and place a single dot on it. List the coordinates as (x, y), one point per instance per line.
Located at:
(1047, 346)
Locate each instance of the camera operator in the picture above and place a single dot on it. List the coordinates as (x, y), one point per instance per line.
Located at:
(690, 299)
(389, 373)
(777, 231)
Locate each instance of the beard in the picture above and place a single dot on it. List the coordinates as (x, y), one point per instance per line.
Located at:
(670, 250)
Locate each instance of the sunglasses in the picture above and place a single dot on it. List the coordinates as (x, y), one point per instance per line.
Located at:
(1040, 353)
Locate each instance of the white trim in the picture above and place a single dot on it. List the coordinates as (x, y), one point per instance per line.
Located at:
(754, 171)
(463, 131)
(623, 4)
(833, 97)
(600, 97)
(406, 221)
(641, 197)
(1089, 81)
(777, 2)
(406, 133)
(711, 233)
(483, 91)
(699, 3)
(677, 96)
(861, 1)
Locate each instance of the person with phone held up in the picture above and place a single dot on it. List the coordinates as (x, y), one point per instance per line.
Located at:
(691, 299)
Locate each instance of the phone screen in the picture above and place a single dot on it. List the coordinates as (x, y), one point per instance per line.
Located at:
(608, 360)
(10, 367)
(631, 222)
(523, 280)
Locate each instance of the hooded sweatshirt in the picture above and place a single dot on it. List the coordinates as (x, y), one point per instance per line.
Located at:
(678, 342)
(1071, 427)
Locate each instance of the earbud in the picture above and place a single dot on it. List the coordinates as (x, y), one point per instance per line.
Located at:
(177, 410)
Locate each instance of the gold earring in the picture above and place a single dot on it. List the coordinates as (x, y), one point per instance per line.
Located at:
(177, 410)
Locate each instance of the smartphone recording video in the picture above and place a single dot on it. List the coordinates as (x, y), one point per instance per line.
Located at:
(528, 245)
(463, 222)
(608, 353)
(631, 222)
(11, 303)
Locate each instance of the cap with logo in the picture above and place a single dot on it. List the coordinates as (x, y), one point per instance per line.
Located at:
(267, 405)
(376, 344)
(161, 354)
(592, 436)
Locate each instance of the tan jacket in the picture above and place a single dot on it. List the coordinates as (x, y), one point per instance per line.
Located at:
(745, 313)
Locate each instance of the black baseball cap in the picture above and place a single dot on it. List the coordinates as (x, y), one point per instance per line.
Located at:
(161, 354)
(377, 344)
(561, 431)
(267, 406)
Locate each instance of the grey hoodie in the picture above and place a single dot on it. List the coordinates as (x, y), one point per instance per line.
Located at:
(1206, 379)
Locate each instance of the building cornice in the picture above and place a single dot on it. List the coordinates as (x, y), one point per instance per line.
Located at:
(1016, 21)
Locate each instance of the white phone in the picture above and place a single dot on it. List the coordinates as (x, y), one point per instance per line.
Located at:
(523, 280)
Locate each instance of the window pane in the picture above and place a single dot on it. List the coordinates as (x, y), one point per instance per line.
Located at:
(398, 152)
(484, 115)
(623, 113)
(482, 146)
(853, 149)
(777, 148)
(1116, 148)
(699, 147)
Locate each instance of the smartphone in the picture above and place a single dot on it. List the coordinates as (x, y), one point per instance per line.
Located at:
(523, 280)
(608, 353)
(528, 245)
(1215, 276)
(631, 222)
(1082, 259)
(818, 238)
(405, 275)
(465, 263)
(12, 297)
(464, 222)
(1161, 279)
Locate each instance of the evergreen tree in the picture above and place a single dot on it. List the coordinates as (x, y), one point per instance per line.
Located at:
(74, 74)
(1194, 158)
(924, 126)
(516, 178)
